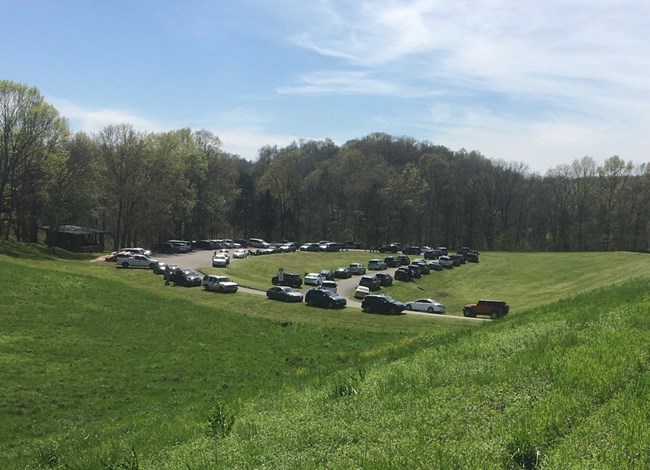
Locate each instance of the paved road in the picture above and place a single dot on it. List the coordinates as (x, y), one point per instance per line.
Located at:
(345, 287)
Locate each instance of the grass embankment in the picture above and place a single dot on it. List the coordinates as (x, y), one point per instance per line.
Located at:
(107, 368)
(524, 280)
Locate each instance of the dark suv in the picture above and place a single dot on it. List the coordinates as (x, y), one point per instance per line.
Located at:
(288, 279)
(324, 298)
(382, 303)
(392, 261)
(403, 274)
(371, 282)
(404, 260)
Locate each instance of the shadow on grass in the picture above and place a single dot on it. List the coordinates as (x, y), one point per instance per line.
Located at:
(36, 251)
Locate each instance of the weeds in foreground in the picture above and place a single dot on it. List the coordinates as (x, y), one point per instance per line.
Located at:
(220, 422)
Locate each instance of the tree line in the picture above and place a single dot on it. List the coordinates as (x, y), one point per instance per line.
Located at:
(149, 187)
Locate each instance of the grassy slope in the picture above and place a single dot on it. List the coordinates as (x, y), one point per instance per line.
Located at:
(92, 353)
(565, 386)
(524, 280)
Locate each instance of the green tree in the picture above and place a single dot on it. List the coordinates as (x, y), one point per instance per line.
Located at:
(31, 131)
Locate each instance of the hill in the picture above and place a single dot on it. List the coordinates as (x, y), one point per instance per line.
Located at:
(107, 368)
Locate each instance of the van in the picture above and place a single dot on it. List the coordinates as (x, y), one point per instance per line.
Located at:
(257, 243)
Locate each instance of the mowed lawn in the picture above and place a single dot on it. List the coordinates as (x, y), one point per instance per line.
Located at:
(524, 280)
(107, 368)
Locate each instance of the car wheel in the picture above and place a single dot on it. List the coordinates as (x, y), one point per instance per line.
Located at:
(408, 307)
(125, 264)
(365, 309)
(308, 302)
(220, 288)
(494, 315)
(330, 305)
(468, 312)
(430, 310)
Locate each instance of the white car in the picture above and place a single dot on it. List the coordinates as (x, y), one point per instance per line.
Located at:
(329, 285)
(425, 305)
(361, 292)
(220, 261)
(219, 283)
(240, 253)
(313, 279)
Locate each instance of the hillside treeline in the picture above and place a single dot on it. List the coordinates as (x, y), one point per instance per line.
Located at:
(149, 187)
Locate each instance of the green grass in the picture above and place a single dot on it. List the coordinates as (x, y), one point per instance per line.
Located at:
(108, 368)
(524, 280)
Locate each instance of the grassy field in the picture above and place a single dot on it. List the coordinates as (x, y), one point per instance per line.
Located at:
(524, 280)
(107, 368)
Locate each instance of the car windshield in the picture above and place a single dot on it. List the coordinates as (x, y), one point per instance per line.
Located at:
(389, 298)
(223, 279)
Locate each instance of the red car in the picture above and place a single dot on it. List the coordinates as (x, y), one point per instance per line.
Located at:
(112, 258)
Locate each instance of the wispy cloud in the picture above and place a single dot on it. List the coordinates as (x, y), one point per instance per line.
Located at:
(94, 120)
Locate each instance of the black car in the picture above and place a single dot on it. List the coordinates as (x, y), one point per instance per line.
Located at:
(327, 274)
(324, 298)
(343, 273)
(166, 248)
(288, 279)
(432, 254)
(471, 256)
(436, 266)
(284, 294)
(382, 303)
(415, 271)
(185, 278)
(385, 279)
(424, 266)
(371, 282)
(392, 261)
(412, 250)
(404, 260)
(392, 248)
(403, 274)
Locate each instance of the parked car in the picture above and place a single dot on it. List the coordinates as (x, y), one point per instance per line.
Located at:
(361, 292)
(382, 303)
(159, 267)
(330, 285)
(137, 251)
(457, 260)
(424, 266)
(288, 247)
(446, 262)
(112, 258)
(435, 266)
(324, 298)
(443, 250)
(310, 247)
(257, 243)
(216, 283)
(494, 308)
(392, 262)
(376, 265)
(432, 254)
(403, 274)
(288, 279)
(416, 273)
(404, 260)
(327, 274)
(283, 294)
(135, 261)
(425, 305)
(371, 282)
(187, 278)
(220, 261)
(165, 248)
(313, 279)
(330, 247)
(342, 273)
(357, 268)
(412, 250)
(392, 248)
(385, 279)
(240, 253)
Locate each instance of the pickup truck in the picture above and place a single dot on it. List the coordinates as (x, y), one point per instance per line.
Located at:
(136, 261)
(494, 308)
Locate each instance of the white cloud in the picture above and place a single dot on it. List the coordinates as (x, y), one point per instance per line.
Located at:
(94, 120)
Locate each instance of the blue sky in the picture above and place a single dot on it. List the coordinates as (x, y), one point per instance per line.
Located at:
(538, 82)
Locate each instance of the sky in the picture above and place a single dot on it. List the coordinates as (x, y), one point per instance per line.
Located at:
(541, 82)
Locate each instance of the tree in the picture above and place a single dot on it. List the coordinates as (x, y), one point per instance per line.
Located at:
(31, 131)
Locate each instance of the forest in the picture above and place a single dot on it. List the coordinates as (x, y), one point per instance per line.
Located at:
(147, 187)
